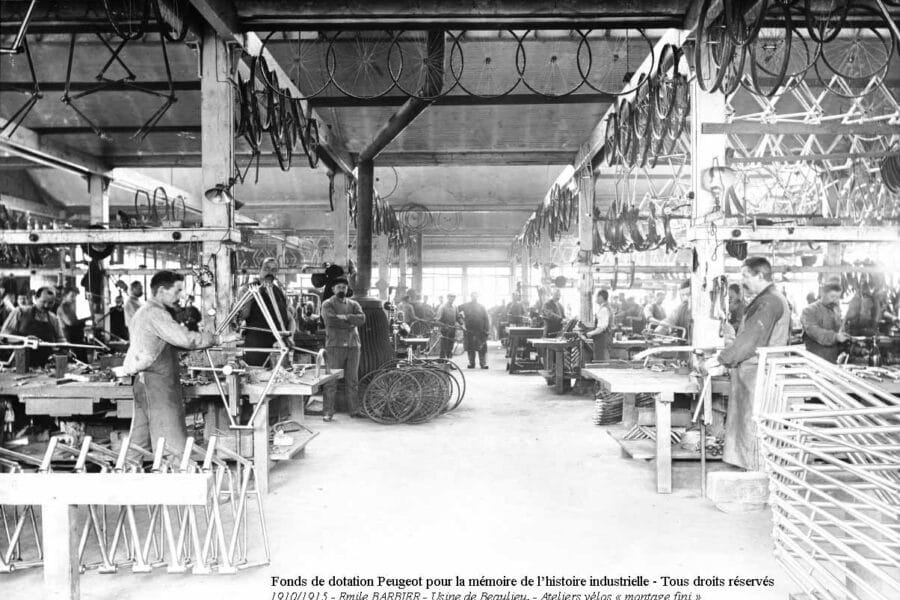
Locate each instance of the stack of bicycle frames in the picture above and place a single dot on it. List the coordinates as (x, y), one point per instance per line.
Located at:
(641, 130)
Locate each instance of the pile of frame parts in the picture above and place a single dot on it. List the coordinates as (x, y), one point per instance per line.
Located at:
(831, 443)
(217, 538)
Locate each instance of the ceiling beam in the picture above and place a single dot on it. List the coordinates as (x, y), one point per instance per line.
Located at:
(222, 17)
(462, 99)
(269, 15)
(519, 156)
(28, 144)
(119, 86)
(385, 159)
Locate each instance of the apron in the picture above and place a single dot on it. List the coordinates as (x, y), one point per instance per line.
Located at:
(741, 445)
(601, 345)
(158, 407)
(264, 339)
(45, 331)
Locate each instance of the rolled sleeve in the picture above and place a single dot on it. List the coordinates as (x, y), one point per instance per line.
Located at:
(176, 334)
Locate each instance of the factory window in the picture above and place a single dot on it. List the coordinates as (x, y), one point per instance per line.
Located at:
(491, 283)
(437, 282)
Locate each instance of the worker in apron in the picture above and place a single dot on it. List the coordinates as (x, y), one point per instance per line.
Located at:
(601, 335)
(152, 357)
(37, 321)
(258, 333)
(767, 322)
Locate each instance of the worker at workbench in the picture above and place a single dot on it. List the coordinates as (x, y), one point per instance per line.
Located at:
(135, 291)
(257, 332)
(156, 340)
(735, 306)
(767, 322)
(604, 320)
(679, 322)
(342, 316)
(73, 327)
(822, 324)
(516, 312)
(553, 314)
(36, 320)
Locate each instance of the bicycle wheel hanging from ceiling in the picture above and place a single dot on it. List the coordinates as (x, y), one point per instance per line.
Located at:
(306, 54)
(857, 61)
(128, 18)
(483, 65)
(415, 68)
(713, 47)
(607, 59)
(358, 63)
(547, 61)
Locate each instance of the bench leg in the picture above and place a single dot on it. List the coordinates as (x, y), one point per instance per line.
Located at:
(61, 536)
(664, 442)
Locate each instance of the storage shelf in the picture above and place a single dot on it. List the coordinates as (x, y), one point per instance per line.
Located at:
(156, 235)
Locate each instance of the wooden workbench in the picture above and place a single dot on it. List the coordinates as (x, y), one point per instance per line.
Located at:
(559, 366)
(41, 395)
(665, 385)
(520, 350)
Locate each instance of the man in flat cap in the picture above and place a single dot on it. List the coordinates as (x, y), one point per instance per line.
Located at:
(342, 316)
(448, 316)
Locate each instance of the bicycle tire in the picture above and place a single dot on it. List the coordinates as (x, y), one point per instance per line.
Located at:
(816, 29)
(433, 394)
(612, 81)
(664, 88)
(611, 145)
(179, 8)
(851, 58)
(567, 88)
(309, 86)
(779, 71)
(713, 49)
(374, 70)
(120, 18)
(743, 34)
(278, 134)
(460, 378)
(407, 78)
(626, 134)
(460, 67)
(312, 142)
(734, 71)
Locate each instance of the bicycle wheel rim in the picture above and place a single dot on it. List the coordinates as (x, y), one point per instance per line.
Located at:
(363, 71)
(477, 75)
(547, 75)
(713, 48)
(609, 78)
(763, 53)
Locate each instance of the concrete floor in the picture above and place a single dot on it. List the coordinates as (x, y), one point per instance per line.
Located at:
(516, 482)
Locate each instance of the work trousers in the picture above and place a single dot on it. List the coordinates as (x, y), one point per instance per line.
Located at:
(448, 338)
(158, 411)
(482, 355)
(342, 357)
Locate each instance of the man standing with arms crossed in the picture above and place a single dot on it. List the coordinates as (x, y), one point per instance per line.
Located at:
(342, 316)
(156, 341)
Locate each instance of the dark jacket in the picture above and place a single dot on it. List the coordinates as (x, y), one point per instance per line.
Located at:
(821, 324)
